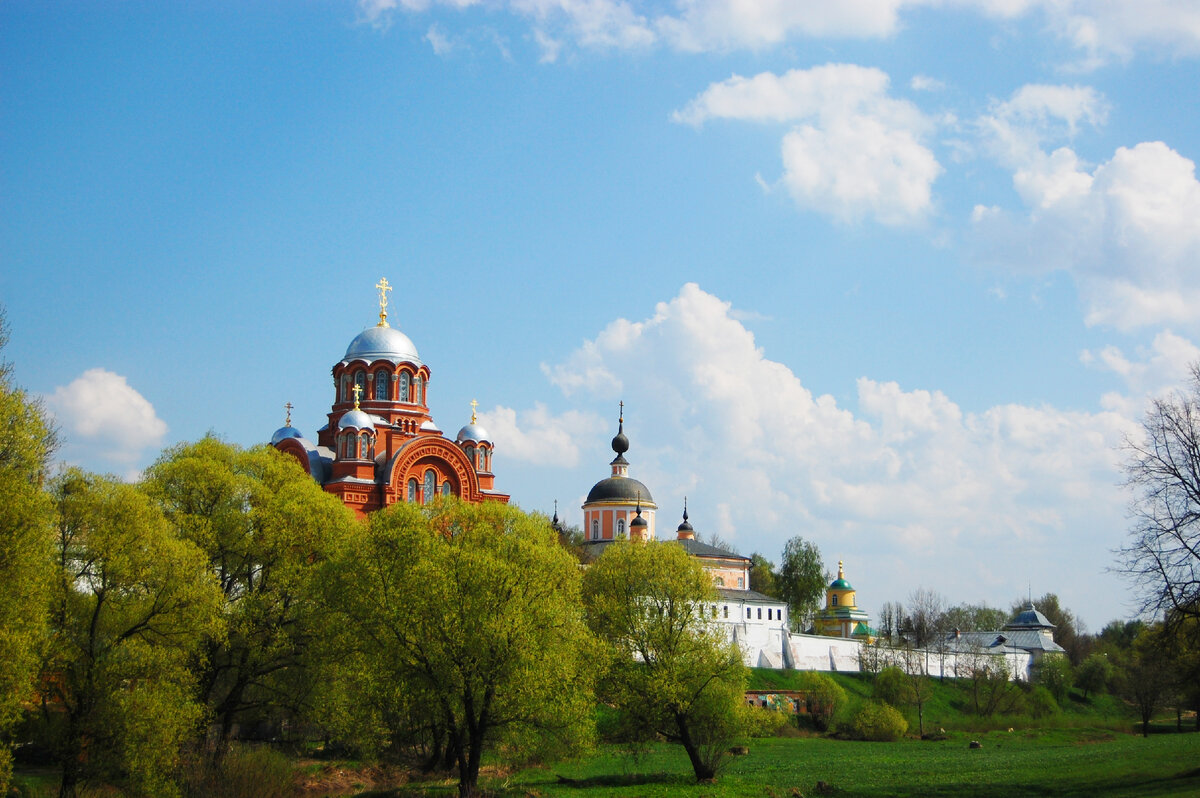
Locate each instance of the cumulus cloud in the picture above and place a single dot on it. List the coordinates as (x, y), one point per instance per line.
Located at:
(852, 151)
(1148, 372)
(1125, 230)
(101, 413)
(705, 25)
(905, 483)
(539, 437)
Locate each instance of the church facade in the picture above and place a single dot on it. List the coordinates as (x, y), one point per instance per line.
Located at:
(380, 444)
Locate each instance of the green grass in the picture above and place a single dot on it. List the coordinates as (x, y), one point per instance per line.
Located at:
(1056, 763)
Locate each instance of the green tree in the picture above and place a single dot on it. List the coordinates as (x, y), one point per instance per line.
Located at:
(130, 607)
(265, 527)
(473, 611)
(27, 441)
(1093, 674)
(762, 576)
(1054, 672)
(1147, 674)
(801, 581)
(975, 618)
(670, 672)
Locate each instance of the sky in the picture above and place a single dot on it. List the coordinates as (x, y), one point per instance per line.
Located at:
(896, 276)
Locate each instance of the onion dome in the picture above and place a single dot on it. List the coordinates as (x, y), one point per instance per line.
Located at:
(472, 433)
(382, 343)
(356, 419)
(840, 583)
(684, 531)
(283, 433)
(620, 443)
(638, 522)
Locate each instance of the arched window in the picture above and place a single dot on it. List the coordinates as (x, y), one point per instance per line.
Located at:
(404, 378)
(412, 490)
(469, 449)
(360, 379)
(446, 489)
(344, 392)
(620, 524)
(483, 453)
(430, 486)
(418, 384)
(833, 600)
(382, 381)
(595, 529)
(365, 446)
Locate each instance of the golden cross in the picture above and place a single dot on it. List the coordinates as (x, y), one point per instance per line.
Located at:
(357, 390)
(383, 287)
(288, 423)
(474, 405)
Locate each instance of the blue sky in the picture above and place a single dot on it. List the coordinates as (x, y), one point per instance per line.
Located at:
(894, 276)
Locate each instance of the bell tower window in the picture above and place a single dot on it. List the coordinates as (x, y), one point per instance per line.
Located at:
(404, 386)
(595, 529)
(381, 386)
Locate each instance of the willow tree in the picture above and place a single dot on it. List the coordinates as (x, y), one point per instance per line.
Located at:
(475, 611)
(130, 607)
(26, 443)
(265, 527)
(669, 670)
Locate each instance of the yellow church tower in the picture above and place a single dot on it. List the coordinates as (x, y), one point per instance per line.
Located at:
(841, 616)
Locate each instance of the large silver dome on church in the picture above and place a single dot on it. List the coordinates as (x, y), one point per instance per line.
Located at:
(382, 343)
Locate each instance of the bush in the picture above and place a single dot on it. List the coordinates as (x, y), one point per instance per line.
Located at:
(891, 686)
(763, 721)
(823, 696)
(244, 772)
(876, 722)
(1040, 703)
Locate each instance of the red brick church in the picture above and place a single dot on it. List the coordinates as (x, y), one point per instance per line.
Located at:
(380, 444)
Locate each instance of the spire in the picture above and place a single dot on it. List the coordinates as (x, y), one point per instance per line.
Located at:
(841, 571)
(383, 287)
(554, 520)
(474, 404)
(287, 422)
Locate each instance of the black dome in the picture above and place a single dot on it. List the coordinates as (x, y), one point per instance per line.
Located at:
(621, 489)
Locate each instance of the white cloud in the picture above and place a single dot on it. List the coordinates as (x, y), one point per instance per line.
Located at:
(1149, 372)
(104, 415)
(1126, 231)
(538, 437)
(963, 499)
(926, 83)
(1099, 30)
(438, 40)
(853, 151)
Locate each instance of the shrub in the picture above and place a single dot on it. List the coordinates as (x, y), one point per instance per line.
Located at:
(1040, 703)
(877, 722)
(763, 721)
(892, 687)
(244, 772)
(823, 696)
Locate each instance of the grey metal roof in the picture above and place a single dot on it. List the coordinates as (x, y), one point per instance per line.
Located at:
(622, 489)
(1029, 619)
(698, 549)
(733, 594)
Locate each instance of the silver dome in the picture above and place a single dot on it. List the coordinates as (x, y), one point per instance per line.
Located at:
(382, 343)
(283, 433)
(356, 419)
(472, 433)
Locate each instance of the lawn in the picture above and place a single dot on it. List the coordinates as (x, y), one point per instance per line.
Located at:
(1056, 763)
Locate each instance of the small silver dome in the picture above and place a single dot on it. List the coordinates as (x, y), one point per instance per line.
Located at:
(283, 433)
(382, 343)
(472, 433)
(356, 419)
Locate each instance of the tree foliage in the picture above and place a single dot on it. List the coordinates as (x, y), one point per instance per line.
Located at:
(762, 576)
(801, 581)
(468, 617)
(669, 671)
(27, 441)
(1162, 555)
(131, 604)
(265, 527)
